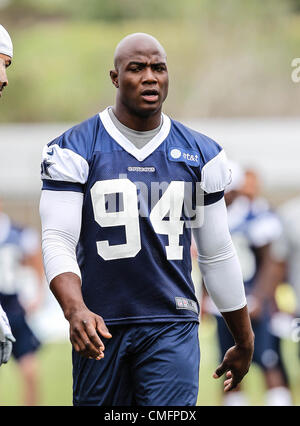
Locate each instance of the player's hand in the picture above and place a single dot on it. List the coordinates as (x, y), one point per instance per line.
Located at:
(85, 330)
(235, 364)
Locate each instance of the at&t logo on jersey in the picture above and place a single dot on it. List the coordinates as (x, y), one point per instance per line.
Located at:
(186, 156)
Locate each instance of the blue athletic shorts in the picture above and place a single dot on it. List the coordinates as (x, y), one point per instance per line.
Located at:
(144, 365)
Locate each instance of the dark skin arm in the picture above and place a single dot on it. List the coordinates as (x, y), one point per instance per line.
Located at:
(237, 360)
(86, 327)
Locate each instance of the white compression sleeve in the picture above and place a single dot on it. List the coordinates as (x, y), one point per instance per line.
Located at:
(60, 213)
(218, 260)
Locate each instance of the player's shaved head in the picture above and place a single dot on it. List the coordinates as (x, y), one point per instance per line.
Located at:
(141, 79)
(135, 44)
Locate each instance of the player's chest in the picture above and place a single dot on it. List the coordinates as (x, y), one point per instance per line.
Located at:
(119, 182)
(155, 170)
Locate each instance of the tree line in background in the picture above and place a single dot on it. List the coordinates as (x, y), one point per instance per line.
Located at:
(117, 10)
(226, 58)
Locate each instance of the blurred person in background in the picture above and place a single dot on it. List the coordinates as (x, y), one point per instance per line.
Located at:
(254, 227)
(20, 249)
(6, 53)
(286, 254)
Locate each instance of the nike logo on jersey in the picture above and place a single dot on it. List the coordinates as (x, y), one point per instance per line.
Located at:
(186, 156)
(50, 152)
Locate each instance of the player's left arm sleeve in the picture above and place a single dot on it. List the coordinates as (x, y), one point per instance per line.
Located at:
(218, 260)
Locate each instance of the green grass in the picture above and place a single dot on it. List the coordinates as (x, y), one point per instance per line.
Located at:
(210, 390)
(56, 370)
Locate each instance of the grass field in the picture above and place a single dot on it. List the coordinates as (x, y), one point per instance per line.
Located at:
(56, 371)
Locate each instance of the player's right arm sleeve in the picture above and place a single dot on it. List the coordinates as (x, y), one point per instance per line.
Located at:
(60, 232)
(218, 260)
(65, 162)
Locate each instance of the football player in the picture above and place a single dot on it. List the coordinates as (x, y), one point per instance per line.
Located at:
(254, 226)
(122, 193)
(6, 54)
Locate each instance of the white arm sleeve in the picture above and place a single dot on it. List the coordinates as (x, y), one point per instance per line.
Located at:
(218, 260)
(60, 213)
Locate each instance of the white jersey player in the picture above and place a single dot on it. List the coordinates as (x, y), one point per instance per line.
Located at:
(6, 53)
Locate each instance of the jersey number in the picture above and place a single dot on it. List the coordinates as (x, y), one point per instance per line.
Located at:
(170, 204)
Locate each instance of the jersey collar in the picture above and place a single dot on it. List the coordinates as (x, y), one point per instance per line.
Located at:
(148, 149)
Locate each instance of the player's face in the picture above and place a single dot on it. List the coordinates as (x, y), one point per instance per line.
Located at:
(5, 61)
(143, 82)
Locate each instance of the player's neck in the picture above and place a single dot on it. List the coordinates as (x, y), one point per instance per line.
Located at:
(136, 122)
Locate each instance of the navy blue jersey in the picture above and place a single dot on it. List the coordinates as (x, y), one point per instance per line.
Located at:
(134, 247)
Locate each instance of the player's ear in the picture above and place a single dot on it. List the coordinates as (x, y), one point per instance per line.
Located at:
(114, 77)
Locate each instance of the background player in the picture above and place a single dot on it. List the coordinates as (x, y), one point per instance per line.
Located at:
(286, 252)
(6, 54)
(20, 249)
(140, 283)
(254, 227)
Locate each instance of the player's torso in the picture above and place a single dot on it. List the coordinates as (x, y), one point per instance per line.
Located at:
(135, 239)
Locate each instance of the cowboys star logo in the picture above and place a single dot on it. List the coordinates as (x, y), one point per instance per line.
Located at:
(45, 166)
